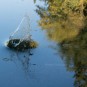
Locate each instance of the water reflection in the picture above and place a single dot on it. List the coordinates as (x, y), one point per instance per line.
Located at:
(75, 57)
(20, 58)
(65, 24)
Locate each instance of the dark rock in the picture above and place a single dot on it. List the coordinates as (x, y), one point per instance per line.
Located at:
(19, 45)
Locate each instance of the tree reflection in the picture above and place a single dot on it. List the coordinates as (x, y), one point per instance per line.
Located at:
(65, 23)
(63, 17)
(74, 54)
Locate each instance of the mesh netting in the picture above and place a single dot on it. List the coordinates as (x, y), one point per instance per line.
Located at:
(23, 30)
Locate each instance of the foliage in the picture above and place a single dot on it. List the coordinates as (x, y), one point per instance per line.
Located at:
(64, 17)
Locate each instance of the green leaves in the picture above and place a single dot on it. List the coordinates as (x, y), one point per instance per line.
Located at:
(34, 1)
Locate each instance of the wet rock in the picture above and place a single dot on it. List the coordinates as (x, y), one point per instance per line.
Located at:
(17, 44)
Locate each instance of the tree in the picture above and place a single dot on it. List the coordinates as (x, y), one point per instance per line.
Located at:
(64, 17)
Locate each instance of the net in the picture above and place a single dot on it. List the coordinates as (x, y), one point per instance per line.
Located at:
(20, 39)
(23, 30)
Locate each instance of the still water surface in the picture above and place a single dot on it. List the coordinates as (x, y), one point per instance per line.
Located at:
(45, 68)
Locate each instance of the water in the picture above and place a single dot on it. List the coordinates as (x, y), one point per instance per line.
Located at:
(46, 67)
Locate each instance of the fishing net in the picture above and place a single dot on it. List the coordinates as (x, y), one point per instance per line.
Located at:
(23, 30)
(20, 39)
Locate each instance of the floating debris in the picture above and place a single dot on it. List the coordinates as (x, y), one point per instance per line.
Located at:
(34, 64)
(5, 59)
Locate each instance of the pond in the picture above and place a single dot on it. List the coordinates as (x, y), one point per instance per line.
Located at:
(60, 59)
